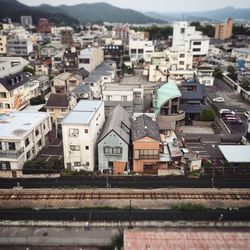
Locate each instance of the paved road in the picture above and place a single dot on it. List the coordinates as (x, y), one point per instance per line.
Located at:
(140, 182)
(123, 215)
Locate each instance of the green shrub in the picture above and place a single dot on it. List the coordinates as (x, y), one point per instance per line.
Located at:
(207, 115)
(188, 207)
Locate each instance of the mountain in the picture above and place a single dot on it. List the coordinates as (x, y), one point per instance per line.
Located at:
(14, 9)
(216, 15)
(100, 12)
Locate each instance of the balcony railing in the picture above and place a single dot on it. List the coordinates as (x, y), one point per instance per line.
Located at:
(13, 154)
(173, 117)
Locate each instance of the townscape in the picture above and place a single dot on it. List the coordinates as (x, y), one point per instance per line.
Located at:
(124, 106)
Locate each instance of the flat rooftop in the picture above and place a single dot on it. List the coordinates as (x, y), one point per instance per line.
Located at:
(83, 112)
(236, 153)
(117, 87)
(18, 125)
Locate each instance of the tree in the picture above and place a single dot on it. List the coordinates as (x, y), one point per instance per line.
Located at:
(37, 100)
(232, 71)
(126, 58)
(29, 69)
(141, 61)
(217, 72)
(207, 115)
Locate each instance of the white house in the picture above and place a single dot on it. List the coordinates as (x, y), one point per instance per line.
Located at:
(90, 58)
(205, 75)
(187, 36)
(80, 129)
(140, 49)
(22, 136)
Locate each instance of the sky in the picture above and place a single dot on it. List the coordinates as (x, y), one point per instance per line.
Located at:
(155, 5)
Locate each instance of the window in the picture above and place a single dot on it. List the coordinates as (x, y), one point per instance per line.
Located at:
(197, 43)
(84, 60)
(140, 51)
(68, 165)
(28, 155)
(181, 62)
(87, 163)
(86, 131)
(77, 163)
(196, 50)
(148, 154)
(137, 95)
(112, 150)
(182, 55)
(73, 132)
(182, 30)
(74, 147)
(5, 165)
(124, 98)
(133, 51)
(12, 146)
(109, 97)
(87, 147)
(39, 143)
(37, 132)
(111, 164)
(64, 110)
(1, 147)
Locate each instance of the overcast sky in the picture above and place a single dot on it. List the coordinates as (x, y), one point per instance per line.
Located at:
(155, 5)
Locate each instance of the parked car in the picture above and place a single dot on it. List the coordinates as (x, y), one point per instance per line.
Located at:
(218, 99)
(226, 111)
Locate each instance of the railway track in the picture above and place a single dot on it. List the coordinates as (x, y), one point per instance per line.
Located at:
(15, 196)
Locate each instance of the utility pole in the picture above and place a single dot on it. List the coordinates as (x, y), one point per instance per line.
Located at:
(130, 215)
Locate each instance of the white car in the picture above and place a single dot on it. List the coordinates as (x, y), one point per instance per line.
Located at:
(226, 111)
(218, 99)
(247, 114)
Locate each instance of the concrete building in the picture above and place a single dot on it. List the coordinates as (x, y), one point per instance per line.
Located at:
(140, 49)
(204, 75)
(3, 44)
(81, 128)
(130, 97)
(51, 49)
(166, 105)
(22, 137)
(67, 37)
(114, 142)
(121, 32)
(57, 31)
(70, 60)
(224, 31)
(187, 36)
(17, 46)
(44, 26)
(26, 21)
(242, 54)
(43, 82)
(90, 58)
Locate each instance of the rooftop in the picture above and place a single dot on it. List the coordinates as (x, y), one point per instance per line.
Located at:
(57, 100)
(83, 112)
(17, 125)
(242, 50)
(236, 153)
(63, 76)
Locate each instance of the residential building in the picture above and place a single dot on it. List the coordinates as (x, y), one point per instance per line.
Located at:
(41, 68)
(57, 66)
(114, 142)
(121, 32)
(15, 91)
(166, 105)
(192, 101)
(58, 106)
(44, 26)
(57, 31)
(187, 36)
(138, 35)
(204, 75)
(59, 83)
(113, 52)
(96, 85)
(146, 144)
(3, 44)
(51, 49)
(130, 97)
(26, 21)
(242, 54)
(43, 82)
(140, 49)
(81, 128)
(67, 37)
(224, 31)
(90, 58)
(70, 60)
(17, 46)
(82, 92)
(22, 137)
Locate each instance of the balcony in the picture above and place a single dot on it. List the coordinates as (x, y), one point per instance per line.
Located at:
(11, 154)
(172, 118)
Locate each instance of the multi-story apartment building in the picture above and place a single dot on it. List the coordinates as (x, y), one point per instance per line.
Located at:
(57, 31)
(44, 26)
(26, 21)
(187, 36)
(204, 75)
(17, 46)
(90, 58)
(70, 60)
(51, 49)
(80, 129)
(242, 54)
(22, 137)
(140, 49)
(224, 31)
(113, 52)
(121, 32)
(3, 44)
(67, 37)
(43, 82)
